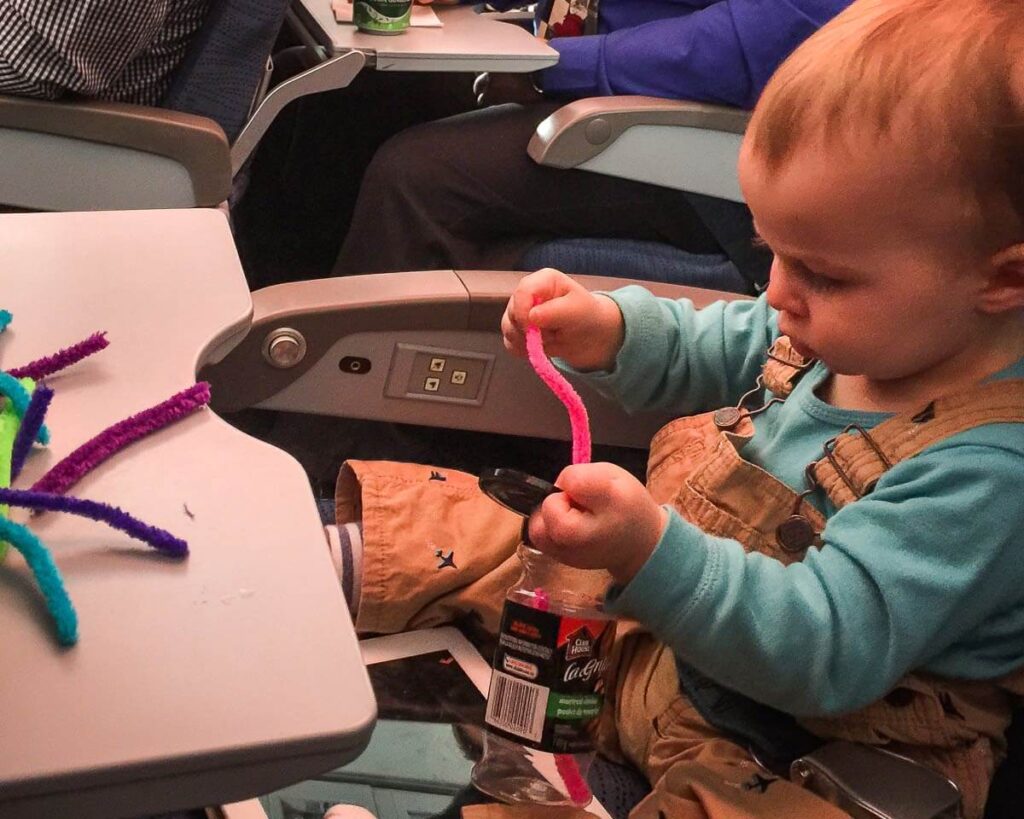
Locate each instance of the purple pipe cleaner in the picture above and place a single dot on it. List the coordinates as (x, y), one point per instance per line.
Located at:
(30, 426)
(42, 367)
(160, 539)
(115, 438)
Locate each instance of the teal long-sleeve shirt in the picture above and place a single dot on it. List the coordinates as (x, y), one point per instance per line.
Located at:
(926, 572)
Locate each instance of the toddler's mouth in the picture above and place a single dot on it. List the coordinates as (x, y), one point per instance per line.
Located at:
(802, 349)
(798, 346)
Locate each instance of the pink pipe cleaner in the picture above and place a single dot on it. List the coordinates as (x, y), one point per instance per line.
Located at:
(576, 785)
(113, 439)
(42, 367)
(566, 765)
(564, 392)
(572, 777)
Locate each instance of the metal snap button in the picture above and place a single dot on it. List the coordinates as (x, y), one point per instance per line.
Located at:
(727, 417)
(796, 534)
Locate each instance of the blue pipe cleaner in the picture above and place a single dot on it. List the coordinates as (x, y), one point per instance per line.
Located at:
(19, 397)
(5, 319)
(160, 539)
(29, 428)
(47, 575)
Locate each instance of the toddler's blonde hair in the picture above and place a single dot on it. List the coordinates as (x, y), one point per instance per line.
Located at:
(942, 78)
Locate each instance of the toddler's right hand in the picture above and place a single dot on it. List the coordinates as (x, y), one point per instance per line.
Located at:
(583, 329)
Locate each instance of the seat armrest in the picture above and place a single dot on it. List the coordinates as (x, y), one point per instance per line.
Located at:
(347, 347)
(331, 74)
(93, 155)
(679, 144)
(871, 783)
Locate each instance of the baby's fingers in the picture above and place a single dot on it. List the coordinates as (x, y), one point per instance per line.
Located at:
(537, 288)
(556, 529)
(592, 486)
(512, 336)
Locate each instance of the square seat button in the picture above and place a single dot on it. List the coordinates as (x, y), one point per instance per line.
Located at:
(458, 376)
(432, 384)
(437, 365)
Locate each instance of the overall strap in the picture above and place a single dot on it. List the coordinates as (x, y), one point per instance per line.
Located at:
(855, 459)
(783, 368)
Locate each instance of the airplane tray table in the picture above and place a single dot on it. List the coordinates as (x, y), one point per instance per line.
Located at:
(195, 681)
(466, 41)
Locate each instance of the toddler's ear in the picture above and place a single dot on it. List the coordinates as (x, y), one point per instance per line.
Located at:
(1004, 288)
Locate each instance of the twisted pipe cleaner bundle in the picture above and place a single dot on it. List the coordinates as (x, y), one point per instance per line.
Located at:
(579, 421)
(23, 407)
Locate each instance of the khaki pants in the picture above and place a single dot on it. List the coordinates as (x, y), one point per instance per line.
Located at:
(435, 548)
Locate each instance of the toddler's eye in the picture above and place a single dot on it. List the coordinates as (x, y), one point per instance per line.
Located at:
(811, 279)
(820, 283)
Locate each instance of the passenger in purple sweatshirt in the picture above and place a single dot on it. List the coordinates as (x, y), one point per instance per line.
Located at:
(462, 193)
(720, 51)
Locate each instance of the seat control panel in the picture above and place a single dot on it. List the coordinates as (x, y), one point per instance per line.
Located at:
(438, 374)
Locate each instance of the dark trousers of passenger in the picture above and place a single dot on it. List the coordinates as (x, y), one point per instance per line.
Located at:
(305, 176)
(462, 193)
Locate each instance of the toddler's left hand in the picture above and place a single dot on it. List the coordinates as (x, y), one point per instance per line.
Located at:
(603, 519)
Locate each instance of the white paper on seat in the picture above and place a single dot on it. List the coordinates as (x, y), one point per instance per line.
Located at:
(422, 16)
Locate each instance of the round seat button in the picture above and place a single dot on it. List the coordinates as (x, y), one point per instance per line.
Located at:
(284, 348)
(598, 131)
(727, 417)
(796, 534)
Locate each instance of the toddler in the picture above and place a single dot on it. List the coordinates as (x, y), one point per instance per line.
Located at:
(831, 532)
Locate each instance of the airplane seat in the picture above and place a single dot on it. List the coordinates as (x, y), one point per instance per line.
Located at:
(67, 155)
(358, 348)
(223, 71)
(684, 145)
(226, 71)
(636, 259)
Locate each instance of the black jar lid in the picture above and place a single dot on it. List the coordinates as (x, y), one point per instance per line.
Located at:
(517, 491)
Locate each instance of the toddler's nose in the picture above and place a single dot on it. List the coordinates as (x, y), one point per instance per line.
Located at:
(781, 293)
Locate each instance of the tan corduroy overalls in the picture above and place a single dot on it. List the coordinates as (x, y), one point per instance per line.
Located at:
(436, 548)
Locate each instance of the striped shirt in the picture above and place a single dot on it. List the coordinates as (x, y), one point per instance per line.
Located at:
(125, 50)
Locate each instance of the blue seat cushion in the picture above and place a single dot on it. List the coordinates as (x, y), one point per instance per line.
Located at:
(225, 62)
(634, 259)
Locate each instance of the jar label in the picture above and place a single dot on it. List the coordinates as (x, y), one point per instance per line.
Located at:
(382, 16)
(546, 682)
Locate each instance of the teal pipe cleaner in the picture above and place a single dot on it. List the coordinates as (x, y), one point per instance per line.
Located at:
(21, 421)
(47, 576)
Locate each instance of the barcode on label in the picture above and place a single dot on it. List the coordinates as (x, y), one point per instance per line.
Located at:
(516, 706)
